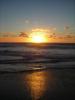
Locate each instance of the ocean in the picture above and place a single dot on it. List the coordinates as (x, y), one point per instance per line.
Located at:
(37, 71)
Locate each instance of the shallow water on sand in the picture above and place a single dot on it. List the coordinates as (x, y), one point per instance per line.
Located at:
(48, 84)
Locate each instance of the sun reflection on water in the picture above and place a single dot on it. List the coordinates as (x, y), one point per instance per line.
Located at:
(37, 83)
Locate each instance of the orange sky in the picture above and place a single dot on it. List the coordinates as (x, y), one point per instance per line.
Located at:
(23, 39)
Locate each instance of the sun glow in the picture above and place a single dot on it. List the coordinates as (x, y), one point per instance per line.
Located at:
(38, 36)
(38, 39)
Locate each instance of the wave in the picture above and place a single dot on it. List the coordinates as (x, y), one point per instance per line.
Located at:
(25, 57)
(19, 68)
(46, 60)
(41, 45)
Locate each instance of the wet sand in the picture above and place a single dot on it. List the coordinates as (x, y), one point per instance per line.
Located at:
(49, 84)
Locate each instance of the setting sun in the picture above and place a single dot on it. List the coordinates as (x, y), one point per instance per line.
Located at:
(38, 36)
(38, 39)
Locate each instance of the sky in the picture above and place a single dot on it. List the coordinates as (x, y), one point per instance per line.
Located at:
(23, 15)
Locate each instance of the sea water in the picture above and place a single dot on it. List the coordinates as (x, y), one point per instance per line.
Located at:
(16, 57)
(37, 71)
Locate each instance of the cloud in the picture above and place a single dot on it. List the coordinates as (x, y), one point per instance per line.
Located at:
(27, 21)
(66, 27)
(23, 34)
(13, 34)
(8, 34)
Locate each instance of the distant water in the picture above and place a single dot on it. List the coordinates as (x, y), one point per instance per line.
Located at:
(19, 57)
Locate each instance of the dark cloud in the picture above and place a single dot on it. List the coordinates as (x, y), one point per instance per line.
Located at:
(23, 34)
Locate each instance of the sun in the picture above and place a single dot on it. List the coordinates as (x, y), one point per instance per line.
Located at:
(38, 36)
(38, 39)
